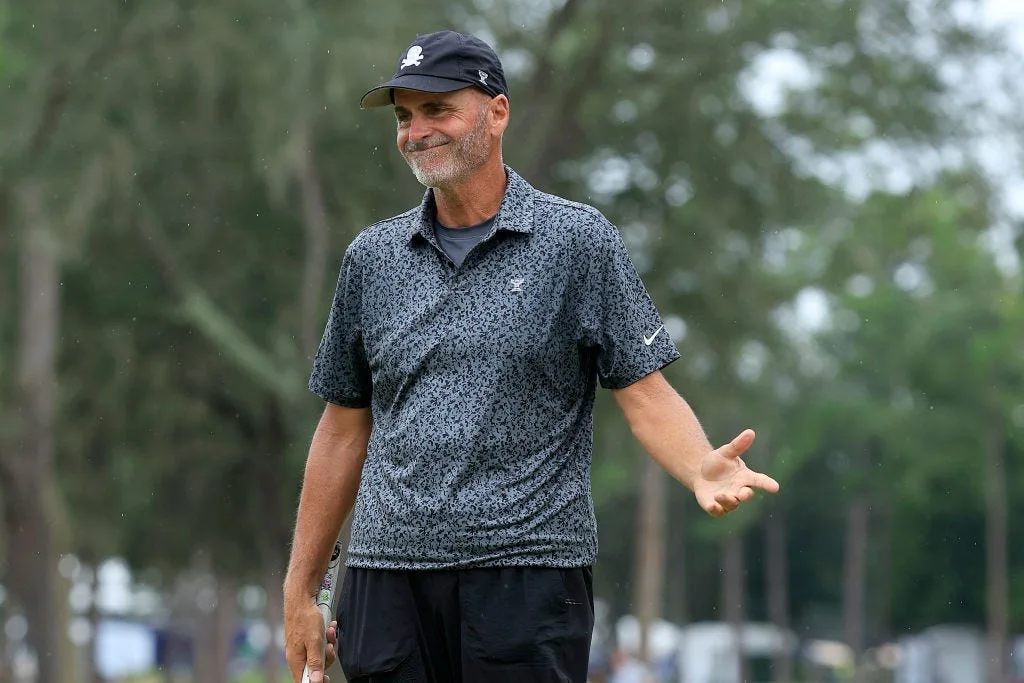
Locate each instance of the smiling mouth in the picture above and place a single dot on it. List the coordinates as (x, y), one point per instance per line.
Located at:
(418, 149)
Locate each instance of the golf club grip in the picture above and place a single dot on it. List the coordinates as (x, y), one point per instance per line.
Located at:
(325, 600)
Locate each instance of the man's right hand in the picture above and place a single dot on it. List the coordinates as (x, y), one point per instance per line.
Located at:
(329, 485)
(304, 641)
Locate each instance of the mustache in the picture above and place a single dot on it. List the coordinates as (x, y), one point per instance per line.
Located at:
(420, 145)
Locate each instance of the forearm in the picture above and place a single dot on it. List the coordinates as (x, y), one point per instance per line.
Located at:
(665, 425)
(331, 480)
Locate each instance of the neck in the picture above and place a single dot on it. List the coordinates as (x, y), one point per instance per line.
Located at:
(473, 200)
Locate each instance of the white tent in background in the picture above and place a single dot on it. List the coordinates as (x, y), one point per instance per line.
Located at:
(662, 638)
(943, 654)
(707, 651)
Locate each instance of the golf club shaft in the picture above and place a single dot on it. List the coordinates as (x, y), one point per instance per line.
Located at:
(325, 600)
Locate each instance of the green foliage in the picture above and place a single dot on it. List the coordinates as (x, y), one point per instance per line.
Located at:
(924, 355)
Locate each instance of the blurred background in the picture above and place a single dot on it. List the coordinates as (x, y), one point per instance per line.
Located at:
(823, 196)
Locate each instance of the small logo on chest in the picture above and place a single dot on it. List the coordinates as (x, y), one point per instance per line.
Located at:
(516, 284)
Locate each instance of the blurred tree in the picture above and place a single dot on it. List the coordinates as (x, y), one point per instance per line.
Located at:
(52, 177)
(32, 513)
(947, 388)
(216, 165)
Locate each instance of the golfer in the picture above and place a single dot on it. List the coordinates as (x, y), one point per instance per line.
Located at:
(465, 343)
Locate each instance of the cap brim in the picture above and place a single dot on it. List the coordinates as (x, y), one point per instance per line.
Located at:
(381, 95)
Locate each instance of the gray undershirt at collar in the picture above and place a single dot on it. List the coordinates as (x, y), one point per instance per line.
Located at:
(457, 242)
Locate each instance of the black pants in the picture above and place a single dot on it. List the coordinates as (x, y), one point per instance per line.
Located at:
(491, 625)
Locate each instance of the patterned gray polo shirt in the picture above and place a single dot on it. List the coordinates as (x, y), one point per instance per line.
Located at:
(481, 381)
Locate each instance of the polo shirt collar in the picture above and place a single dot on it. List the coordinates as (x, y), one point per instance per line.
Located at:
(514, 215)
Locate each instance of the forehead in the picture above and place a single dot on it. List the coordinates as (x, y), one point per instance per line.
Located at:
(412, 99)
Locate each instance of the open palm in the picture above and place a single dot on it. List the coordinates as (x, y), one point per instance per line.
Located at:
(725, 481)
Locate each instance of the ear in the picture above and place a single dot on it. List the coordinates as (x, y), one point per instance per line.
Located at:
(499, 114)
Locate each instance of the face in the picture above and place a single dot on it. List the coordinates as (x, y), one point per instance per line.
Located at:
(445, 137)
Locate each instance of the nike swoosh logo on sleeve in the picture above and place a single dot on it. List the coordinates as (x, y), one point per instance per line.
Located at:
(650, 340)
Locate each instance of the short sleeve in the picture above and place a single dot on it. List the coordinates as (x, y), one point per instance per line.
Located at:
(340, 372)
(617, 317)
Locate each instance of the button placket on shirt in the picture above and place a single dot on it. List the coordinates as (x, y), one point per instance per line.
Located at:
(451, 278)
(459, 276)
(456, 281)
(460, 289)
(448, 270)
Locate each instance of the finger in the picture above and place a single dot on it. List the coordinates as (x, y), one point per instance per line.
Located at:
(329, 656)
(296, 662)
(728, 501)
(739, 445)
(745, 495)
(314, 661)
(332, 639)
(763, 482)
(711, 507)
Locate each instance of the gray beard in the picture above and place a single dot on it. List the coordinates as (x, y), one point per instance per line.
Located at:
(465, 155)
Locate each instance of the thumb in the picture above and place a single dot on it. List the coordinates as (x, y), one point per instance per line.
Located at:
(739, 445)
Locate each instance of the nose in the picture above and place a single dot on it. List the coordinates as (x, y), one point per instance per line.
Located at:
(419, 127)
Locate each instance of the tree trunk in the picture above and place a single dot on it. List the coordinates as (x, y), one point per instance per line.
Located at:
(203, 667)
(317, 232)
(996, 555)
(676, 593)
(92, 672)
(226, 623)
(883, 571)
(274, 614)
(270, 470)
(553, 133)
(215, 644)
(26, 471)
(734, 597)
(777, 589)
(176, 651)
(854, 572)
(650, 550)
(6, 674)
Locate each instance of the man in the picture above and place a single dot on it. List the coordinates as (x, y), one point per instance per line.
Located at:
(459, 367)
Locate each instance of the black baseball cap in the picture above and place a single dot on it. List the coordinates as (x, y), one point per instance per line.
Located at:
(443, 61)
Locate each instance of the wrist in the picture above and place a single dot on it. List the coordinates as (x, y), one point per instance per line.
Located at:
(298, 590)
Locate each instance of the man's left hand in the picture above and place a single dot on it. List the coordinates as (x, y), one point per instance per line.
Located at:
(725, 481)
